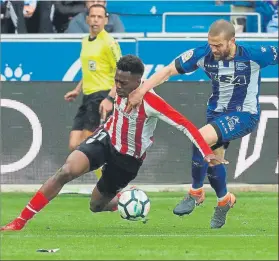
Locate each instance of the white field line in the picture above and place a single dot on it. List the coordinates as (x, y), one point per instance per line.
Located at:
(135, 235)
(87, 189)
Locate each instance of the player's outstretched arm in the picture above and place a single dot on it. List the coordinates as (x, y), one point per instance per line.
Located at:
(155, 106)
(135, 98)
(159, 78)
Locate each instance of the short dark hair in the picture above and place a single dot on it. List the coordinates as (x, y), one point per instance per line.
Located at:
(222, 27)
(98, 5)
(131, 63)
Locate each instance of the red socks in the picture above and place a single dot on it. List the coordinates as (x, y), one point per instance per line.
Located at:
(38, 202)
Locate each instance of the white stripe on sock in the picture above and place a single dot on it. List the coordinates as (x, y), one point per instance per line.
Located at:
(222, 198)
(193, 189)
(31, 209)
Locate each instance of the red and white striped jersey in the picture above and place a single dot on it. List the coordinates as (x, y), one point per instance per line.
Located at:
(132, 133)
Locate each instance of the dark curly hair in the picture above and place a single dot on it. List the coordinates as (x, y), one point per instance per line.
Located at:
(131, 63)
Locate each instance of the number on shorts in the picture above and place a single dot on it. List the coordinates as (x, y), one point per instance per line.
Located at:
(98, 136)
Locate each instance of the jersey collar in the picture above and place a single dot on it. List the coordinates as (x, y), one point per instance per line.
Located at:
(94, 38)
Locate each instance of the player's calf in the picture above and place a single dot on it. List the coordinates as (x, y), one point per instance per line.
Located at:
(101, 200)
(75, 166)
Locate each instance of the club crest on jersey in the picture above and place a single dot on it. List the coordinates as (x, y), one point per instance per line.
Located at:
(92, 65)
(187, 55)
(263, 49)
(232, 121)
(241, 66)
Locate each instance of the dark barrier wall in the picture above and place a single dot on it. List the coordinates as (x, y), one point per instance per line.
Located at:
(252, 159)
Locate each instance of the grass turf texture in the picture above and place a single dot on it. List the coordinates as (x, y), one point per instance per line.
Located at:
(251, 231)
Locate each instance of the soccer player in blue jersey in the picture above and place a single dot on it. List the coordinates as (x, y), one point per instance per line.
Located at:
(233, 108)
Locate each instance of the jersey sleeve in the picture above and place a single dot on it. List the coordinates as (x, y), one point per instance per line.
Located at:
(114, 53)
(189, 61)
(264, 55)
(155, 106)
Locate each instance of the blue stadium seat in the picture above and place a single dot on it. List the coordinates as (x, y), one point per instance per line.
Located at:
(146, 16)
(138, 24)
(187, 24)
(160, 7)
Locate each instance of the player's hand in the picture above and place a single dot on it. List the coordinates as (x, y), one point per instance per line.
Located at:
(134, 100)
(212, 157)
(105, 107)
(28, 11)
(71, 96)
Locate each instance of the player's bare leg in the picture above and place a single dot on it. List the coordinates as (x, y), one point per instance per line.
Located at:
(77, 137)
(100, 202)
(76, 165)
(209, 134)
(86, 134)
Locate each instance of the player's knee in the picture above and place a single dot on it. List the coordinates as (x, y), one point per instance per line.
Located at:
(209, 134)
(95, 207)
(66, 174)
(220, 152)
(72, 146)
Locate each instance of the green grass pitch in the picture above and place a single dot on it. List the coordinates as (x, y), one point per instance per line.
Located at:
(251, 232)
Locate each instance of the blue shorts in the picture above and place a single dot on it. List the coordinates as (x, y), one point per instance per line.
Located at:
(232, 125)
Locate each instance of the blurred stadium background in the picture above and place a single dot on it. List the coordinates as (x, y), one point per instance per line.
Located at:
(40, 62)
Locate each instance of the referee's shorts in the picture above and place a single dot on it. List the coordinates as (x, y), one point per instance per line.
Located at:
(88, 116)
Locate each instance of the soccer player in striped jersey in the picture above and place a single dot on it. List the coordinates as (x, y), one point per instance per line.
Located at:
(119, 146)
(232, 111)
(99, 55)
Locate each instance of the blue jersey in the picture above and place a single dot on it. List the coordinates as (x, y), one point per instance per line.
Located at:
(235, 82)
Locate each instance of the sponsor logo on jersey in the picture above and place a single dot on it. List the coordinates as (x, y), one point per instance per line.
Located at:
(207, 65)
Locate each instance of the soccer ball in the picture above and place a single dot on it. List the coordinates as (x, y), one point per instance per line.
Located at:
(133, 205)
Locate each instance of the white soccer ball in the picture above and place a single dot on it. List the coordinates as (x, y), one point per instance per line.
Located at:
(133, 205)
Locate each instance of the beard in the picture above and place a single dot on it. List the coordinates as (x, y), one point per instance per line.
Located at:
(223, 56)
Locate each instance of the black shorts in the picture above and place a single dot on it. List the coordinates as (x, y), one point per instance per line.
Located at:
(88, 116)
(118, 169)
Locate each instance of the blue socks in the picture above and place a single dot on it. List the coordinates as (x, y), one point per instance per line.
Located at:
(217, 179)
(199, 168)
(216, 174)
